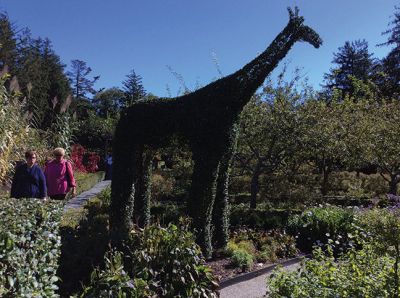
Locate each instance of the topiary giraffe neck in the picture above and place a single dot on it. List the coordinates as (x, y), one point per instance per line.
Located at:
(235, 90)
(253, 74)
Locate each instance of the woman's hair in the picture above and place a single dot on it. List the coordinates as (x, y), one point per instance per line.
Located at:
(30, 153)
(59, 151)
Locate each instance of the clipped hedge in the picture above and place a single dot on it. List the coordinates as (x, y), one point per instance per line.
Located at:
(29, 247)
(260, 218)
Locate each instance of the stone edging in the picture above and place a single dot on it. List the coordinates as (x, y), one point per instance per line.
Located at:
(250, 275)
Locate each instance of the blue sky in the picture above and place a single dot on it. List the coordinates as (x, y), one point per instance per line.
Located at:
(116, 36)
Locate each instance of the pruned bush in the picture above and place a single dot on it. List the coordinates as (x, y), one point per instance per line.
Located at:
(259, 218)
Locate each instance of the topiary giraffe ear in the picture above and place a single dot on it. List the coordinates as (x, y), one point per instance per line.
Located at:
(293, 14)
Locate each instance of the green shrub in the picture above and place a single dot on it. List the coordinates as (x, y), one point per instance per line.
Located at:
(263, 246)
(171, 262)
(267, 253)
(319, 224)
(242, 259)
(29, 247)
(113, 281)
(357, 186)
(231, 247)
(246, 246)
(358, 273)
(241, 252)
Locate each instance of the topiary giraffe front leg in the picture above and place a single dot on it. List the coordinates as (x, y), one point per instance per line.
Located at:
(125, 177)
(221, 203)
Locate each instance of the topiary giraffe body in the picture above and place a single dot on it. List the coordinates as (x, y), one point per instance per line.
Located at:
(207, 119)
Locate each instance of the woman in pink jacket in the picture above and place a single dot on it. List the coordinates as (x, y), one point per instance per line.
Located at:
(59, 176)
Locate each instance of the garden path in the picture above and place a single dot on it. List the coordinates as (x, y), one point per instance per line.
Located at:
(253, 288)
(81, 199)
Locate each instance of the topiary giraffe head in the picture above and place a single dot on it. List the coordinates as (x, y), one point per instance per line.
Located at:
(303, 32)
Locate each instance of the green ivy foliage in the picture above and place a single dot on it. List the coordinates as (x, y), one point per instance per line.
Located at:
(29, 247)
(207, 119)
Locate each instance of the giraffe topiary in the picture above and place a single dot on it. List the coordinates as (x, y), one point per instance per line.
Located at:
(207, 119)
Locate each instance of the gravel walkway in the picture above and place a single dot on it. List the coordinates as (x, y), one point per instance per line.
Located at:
(80, 200)
(254, 288)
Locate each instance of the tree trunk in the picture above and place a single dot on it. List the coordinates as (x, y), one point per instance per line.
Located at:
(394, 180)
(255, 186)
(324, 187)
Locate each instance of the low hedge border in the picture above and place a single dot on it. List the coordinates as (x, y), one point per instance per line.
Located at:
(29, 247)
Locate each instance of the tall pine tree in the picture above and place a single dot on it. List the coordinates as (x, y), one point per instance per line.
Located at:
(352, 60)
(41, 77)
(82, 87)
(391, 63)
(8, 43)
(38, 70)
(133, 89)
